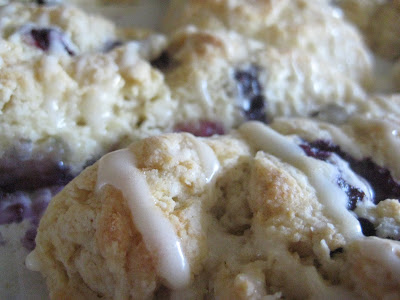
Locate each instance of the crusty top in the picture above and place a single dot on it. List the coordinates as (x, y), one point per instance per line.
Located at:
(251, 214)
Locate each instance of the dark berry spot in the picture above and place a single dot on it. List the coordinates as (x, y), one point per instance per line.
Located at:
(45, 38)
(313, 151)
(322, 150)
(379, 178)
(32, 174)
(335, 252)
(28, 241)
(162, 62)
(162, 293)
(354, 194)
(257, 110)
(200, 128)
(368, 229)
(41, 38)
(250, 92)
(27, 167)
(47, 2)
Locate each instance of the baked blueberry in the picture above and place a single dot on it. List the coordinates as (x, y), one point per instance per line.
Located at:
(200, 128)
(251, 98)
(379, 178)
(162, 62)
(50, 39)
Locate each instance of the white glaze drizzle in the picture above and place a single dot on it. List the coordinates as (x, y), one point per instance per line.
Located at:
(118, 169)
(32, 262)
(322, 176)
(207, 158)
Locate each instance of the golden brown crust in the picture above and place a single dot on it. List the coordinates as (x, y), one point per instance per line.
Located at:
(260, 227)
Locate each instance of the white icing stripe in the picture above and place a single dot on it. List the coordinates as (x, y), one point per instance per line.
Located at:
(207, 157)
(118, 169)
(322, 176)
(32, 262)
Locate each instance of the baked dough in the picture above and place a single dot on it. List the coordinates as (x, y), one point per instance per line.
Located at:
(314, 27)
(72, 86)
(247, 215)
(224, 76)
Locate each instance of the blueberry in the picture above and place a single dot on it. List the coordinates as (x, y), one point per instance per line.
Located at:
(354, 194)
(315, 151)
(379, 178)
(336, 251)
(41, 38)
(250, 92)
(46, 2)
(33, 174)
(257, 110)
(200, 128)
(322, 150)
(367, 227)
(45, 38)
(163, 62)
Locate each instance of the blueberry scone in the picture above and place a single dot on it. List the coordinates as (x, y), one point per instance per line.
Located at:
(224, 76)
(306, 210)
(315, 27)
(68, 96)
(30, 30)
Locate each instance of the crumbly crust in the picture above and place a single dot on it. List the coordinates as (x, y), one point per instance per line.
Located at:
(285, 25)
(203, 65)
(259, 229)
(88, 101)
(87, 33)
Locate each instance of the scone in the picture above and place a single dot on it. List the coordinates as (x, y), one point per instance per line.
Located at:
(255, 214)
(314, 27)
(220, 75)
(28, 30)
(66, 99)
